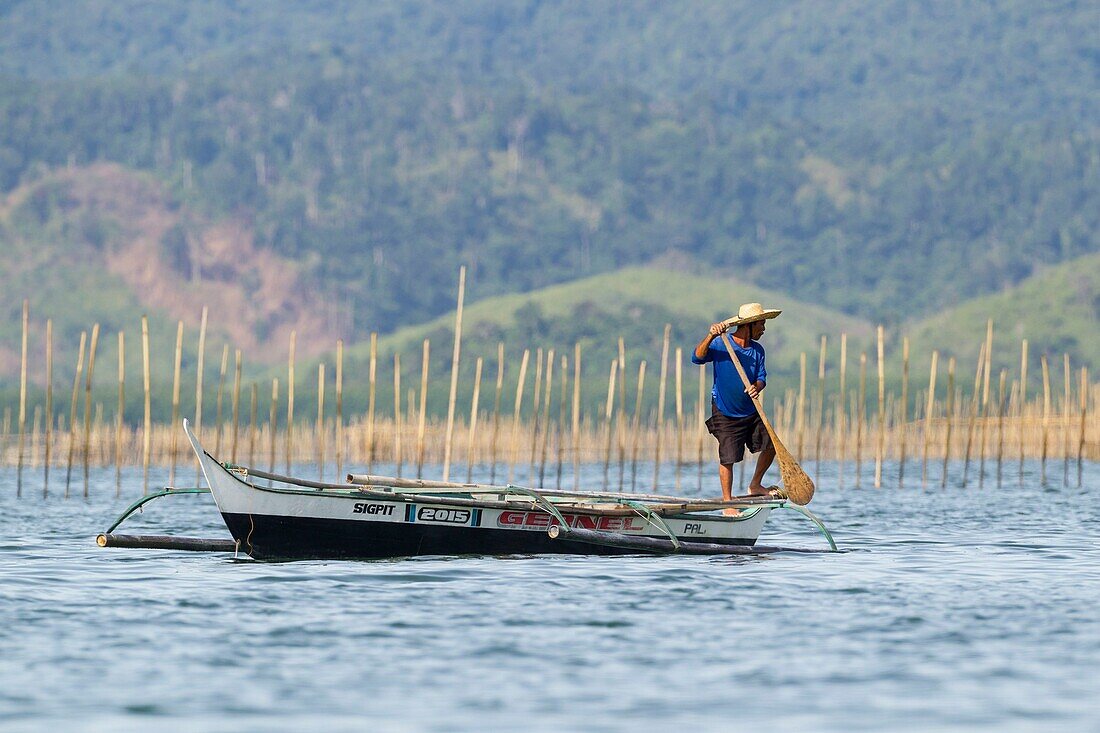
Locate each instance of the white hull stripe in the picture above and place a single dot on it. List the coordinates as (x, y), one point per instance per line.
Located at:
(234, 495)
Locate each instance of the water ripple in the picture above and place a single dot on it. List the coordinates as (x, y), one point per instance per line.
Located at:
(950, 610)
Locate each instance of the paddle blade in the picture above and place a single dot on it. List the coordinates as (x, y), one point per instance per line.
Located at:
(796, 484)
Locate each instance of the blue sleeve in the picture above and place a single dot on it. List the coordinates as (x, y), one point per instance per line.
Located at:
(762, 374)
(709, 357)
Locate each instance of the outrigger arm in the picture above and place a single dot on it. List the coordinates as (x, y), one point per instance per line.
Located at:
(162, 542)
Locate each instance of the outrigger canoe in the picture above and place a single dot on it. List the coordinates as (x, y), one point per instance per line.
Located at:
(272, 517)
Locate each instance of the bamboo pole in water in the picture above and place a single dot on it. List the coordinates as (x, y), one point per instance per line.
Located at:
(22, 397)
(198, 388)
(339, 408)
(607, 416)
(621, 412)
(370, 401)
(679, 416)
(561, 418)
(861, 411)
(121, 416)
(820, 420)
(397, 412)
(1083, 397)
(975, 398)
(319, 430)
(661, 406)
(218, 426)
(175, 404)
(290, 401)
(1066, 378)
(635, 425)
(880, 446)
(904, 408)
(473, 421)
(842, 409)
(49, 408)
(1001, 426)
(1014, 407)
(496, 413)
(88, 403)
(985, 400)
(701, 427)
(1023, 403)
(422, 416)
(535, 414)
(930, 406)
(949, 413)
(546, 417)
(800, 414)
(273, 425)
(576, 415)
(147, 430)
(454, 375)
(1046, 420)
(236, 404)
(513, 446)
(252, 409)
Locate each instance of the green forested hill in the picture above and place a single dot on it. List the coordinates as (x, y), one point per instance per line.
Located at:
(381, 185)
(1057, 311)
(827, 61)
(634, 303)
(883, 159)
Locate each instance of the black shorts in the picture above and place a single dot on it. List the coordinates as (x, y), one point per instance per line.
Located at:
(734, 434)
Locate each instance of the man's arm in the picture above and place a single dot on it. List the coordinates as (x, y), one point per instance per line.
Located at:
(757, 387)
(704, 346)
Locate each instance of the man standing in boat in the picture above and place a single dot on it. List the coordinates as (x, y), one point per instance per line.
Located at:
(734, 421)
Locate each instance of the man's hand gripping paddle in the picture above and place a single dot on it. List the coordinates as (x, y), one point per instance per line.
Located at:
(798, 487)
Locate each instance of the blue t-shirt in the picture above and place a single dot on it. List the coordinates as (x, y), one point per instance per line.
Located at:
(729, 391)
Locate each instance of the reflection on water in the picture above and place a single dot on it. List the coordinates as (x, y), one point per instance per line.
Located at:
(956, 609)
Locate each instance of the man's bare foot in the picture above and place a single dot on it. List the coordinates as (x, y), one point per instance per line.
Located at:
(731, 512)
(773, 491)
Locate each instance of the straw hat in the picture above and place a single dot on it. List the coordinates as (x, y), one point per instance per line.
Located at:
(751, 313)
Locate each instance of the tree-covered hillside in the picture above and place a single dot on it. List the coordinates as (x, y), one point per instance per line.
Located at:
(883, 158)
(830, 62)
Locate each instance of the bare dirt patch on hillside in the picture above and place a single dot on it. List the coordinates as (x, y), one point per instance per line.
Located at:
(255, 298)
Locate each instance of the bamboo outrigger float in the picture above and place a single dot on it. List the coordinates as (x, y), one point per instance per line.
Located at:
(378, 517)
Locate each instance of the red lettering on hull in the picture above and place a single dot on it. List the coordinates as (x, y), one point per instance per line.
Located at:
(538, 520)
(585, 521)
(542, 520)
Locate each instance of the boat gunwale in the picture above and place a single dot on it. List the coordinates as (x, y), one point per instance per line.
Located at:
(687, 508)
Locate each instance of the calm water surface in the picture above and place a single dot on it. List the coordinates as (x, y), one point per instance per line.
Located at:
(957, 609)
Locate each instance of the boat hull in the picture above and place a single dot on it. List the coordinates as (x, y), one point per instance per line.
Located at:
(268, 537)
(276, 523)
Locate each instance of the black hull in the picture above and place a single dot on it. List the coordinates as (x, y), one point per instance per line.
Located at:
(297, 538)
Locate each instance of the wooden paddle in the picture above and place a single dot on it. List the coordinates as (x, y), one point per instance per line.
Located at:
(797, 485)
